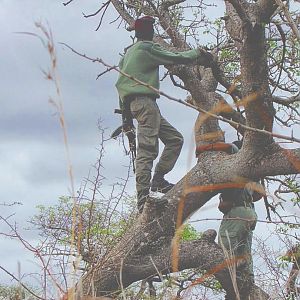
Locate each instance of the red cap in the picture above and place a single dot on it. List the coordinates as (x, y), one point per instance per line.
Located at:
(143, 24)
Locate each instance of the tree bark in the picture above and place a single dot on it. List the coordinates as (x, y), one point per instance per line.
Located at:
(154, 232)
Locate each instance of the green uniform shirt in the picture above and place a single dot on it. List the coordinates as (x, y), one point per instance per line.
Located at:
(142, 61)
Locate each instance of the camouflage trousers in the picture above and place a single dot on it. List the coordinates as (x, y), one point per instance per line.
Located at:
(152, 127)
(235, 237)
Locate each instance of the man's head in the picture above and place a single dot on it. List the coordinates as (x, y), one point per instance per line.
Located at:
(143, 28)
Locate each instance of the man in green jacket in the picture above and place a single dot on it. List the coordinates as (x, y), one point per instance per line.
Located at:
(236, 230)
(142, 61)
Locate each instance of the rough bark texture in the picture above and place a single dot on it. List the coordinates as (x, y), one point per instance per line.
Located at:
(152, 243)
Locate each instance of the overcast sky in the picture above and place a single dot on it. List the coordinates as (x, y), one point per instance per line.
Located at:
(32, 153)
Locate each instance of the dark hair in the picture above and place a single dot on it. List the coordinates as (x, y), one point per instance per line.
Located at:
(144, 28)
(143, 35)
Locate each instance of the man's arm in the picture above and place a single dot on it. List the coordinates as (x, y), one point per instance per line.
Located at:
(161, 56)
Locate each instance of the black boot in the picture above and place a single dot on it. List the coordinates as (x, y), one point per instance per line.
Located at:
(159, 184)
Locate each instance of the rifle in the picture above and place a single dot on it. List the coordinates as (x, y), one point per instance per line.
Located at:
(128, 128)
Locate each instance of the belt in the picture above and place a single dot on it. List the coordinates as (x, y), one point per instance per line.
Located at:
(243, 203)
(130, 98)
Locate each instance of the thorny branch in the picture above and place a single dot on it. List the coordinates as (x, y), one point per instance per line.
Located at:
(32, 249)
(22, 284)
(220, 118)
(104, 7)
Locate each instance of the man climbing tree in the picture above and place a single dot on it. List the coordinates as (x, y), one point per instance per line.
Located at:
(236, 230)
(141, 61)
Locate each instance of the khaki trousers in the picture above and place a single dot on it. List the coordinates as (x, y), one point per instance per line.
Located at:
(152, 127)
(235, 235)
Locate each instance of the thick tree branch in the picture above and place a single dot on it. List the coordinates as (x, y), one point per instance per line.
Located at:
(166, 23)
(122, 11)
(266, 9)
(242, 12)
(211, 259)
(233, 115)
(169, 3)
(278, 162)
(286, 101)
(152, 233)
(155, 229)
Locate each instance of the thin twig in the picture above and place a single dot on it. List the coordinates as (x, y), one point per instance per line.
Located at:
(67, 3)
(98, 11)
(289, 18)
(23, 285)
(283, 38)
(104, 72)
(220, 118)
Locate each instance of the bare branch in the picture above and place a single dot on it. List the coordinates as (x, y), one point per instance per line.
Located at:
(286, 101)
(283, 38)
(176, 83)
(241, 12)
(220, 118)
(289, 18)
(68, 2)
(104, 72)
(104, 7)
(98, 11)
(22, 284)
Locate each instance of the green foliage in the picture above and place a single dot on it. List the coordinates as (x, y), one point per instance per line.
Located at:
(230, 62)
(14, 292)
(189, 233)
(292, 255)
(94, 223)
(11, 293)
(284, 261)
